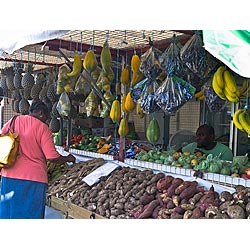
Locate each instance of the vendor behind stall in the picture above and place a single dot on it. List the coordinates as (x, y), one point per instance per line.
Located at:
(205, 143)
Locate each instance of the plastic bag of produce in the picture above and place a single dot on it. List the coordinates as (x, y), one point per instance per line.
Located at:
(173, 94)
(214, 102)
(193, 55)
(148, 99)
(92, 104)
(64, 106)
(150, 65)
(170, 60)
(138, 89)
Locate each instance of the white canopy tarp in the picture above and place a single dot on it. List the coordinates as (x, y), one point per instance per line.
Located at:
(12, 40)
(232, 47)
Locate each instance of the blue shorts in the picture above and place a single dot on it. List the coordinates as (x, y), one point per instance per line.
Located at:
(28, 200)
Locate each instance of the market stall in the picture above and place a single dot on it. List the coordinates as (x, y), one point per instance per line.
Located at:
(118, 99)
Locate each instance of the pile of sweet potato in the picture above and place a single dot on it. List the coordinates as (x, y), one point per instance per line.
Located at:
(133, 193)
(179, 199)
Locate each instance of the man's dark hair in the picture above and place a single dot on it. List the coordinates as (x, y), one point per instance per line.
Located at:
(37, 106)
(209, 129)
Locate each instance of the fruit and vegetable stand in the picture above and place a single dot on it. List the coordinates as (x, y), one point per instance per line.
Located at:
(98, 188)
(101, 88)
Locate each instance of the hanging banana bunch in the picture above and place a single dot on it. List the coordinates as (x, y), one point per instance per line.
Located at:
(224, 85)
(245, 88)
(241, 120)
(200, 95)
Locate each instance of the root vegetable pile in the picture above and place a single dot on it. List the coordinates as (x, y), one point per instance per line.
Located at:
(141, 194)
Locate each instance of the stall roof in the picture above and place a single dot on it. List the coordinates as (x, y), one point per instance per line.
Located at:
(47, 52)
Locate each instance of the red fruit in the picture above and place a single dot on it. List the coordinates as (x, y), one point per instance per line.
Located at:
(245, 176)
(247, 171)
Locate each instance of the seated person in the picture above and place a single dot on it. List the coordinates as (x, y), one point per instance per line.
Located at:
(205, 143)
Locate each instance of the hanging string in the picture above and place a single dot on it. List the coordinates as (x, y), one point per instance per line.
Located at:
(92, 41)
(117, 70)
(247, 97)
(70, 44)
(134, 46)
(107, 36)
(117, 83)
(81, 42)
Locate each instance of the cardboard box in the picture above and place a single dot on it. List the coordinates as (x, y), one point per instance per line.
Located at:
(89, 122)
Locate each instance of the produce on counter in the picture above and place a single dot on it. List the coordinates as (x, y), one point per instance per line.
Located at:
(128, 193)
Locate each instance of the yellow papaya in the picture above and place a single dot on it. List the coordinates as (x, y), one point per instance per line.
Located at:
(153, 131)
(123, 104)
(115, 111)
(136, 77)
(90, 62)
(135, 63)
(125, 76)
(77, 66)
(129, 103)
(105, 57)
(123, 127)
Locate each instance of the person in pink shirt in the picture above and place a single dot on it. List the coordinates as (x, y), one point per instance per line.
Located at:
(27, 179)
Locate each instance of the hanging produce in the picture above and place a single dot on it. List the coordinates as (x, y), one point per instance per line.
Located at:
(139, 110)
(170, 60)
(153, 131)
(123, 101)
(91, 104)
(150, 65)
(123, 127)
(18, 76)
(64, 106)
(129, 103)
(115, 111)
(125, 76)
(137, 75)
(213, 101)
(77, 66)
(173, 94)
(224, 85)
(193, 55)
(90, 62)
(105, 57)
(105, 110)
(28, 78)
(241, 120)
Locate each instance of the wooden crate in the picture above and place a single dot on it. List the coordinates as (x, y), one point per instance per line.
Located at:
(70, 210)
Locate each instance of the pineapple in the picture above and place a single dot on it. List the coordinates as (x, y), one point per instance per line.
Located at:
(24, 106)
(54, 110)
(35, 90)
(28, 78)
(51, 93)
(18, 77)
(9, 72)
(54, 125)
(15, 106)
